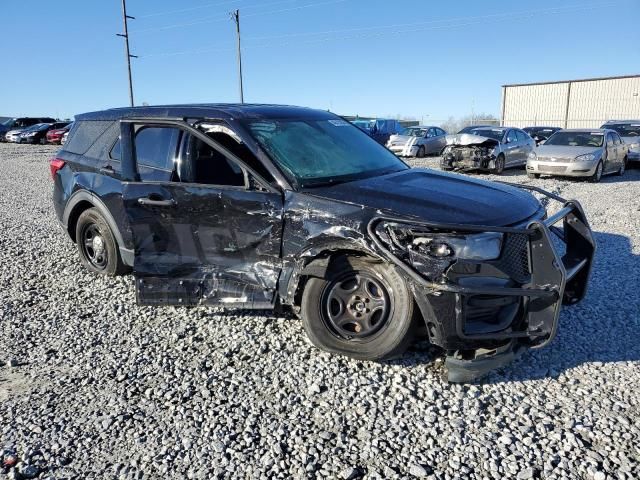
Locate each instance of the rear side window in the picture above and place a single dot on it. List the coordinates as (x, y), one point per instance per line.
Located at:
(84, 134)
(155, 151)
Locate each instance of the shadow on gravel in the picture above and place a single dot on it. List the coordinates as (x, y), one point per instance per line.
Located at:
(602, 329)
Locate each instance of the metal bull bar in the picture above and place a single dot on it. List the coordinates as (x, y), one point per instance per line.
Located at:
(556, 279)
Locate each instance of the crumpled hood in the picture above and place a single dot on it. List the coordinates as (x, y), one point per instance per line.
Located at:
(468, 139)
(437, 197)
(564, 152)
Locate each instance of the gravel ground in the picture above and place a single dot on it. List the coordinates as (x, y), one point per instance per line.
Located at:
(93, 386)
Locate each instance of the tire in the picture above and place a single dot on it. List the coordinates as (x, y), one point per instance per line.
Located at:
(499, 168)
(421, 152)
(623, 167)
(533, 175)
(345, 327)
(597, 175)
(97, 246)
(43, 141)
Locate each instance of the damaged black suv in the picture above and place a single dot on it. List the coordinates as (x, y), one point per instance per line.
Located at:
(258, 206)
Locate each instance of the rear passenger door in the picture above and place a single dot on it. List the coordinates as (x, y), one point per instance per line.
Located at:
(526, 145)
(513, 152)
(206, 228)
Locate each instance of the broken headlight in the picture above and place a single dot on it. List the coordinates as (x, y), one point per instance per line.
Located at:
(441, 245)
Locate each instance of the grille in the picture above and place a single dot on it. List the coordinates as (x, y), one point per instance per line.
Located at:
(552, 168)
(515, 257)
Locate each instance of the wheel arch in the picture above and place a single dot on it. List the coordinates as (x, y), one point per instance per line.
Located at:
(81, 201)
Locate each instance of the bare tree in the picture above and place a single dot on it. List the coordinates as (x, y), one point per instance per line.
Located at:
(453, 125)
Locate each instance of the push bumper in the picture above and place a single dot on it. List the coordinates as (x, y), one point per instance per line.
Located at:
(484, 314)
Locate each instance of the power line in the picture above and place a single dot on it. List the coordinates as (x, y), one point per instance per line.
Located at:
(419, 27)
(190, 9)
(215, 18)
(235, 16)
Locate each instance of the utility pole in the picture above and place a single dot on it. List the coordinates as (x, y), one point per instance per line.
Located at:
(126, 17)
(235, 16)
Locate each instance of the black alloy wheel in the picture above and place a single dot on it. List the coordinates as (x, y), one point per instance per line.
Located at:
(94, 246)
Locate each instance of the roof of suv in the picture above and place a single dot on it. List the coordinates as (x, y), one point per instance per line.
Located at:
(212, 110)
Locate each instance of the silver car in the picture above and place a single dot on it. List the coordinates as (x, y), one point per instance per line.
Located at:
(579, 153)
(418, 141)
(629, 131)
(487, 148)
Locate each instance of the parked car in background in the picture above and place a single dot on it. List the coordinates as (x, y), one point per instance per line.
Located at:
(284, 207)
(38, 133)
(487, 148)
(629, 131)
(579, 153)
(55, 134)
(362, 125)
(541, 134)
(468, 128)
(418, 141)
(15, 125)
(381, 129)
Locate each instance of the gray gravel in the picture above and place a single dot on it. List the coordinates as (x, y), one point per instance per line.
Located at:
(93, 386)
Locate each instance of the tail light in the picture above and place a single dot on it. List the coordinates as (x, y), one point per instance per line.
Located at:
(55, 164)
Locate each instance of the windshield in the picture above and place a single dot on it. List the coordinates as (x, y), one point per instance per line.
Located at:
(625, 129)
(415, 132)
(576, 139)
(322, 152)
(494, 133)
(9, 123)
(32, 128)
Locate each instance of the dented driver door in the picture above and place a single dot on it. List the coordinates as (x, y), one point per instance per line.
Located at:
(202, 243)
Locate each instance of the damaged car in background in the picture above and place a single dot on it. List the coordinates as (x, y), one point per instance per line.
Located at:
(418, 141)
(489, 149)
(258, 206)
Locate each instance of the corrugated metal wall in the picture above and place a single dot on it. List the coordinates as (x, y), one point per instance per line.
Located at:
(571, 104)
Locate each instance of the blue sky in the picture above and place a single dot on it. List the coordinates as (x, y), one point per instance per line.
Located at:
(418, 58)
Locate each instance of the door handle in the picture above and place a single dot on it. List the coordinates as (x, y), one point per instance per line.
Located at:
(157, 203)
(108, 169)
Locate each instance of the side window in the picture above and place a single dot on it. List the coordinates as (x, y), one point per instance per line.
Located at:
(206, 165)
(522, 137)
(431, 133)
(616, 139)
(155, 150)
(511, 136)
(610, 139)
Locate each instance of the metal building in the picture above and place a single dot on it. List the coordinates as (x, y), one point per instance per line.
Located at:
(584, 103)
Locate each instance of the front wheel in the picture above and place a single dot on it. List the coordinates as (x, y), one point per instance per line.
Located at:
(421, 152)
(597, 175)
(361, 308)
(499, 166)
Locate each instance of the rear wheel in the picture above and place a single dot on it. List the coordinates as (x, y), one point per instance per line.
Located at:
(499, 166)
(362, 309)
(97, 245)
(597, 175)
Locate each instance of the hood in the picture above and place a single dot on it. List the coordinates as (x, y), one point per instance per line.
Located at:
(469, 139)
(401, 139)
(16, 131)
(438, 197)
(564, 152)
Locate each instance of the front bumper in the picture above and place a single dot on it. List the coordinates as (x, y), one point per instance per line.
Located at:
(565, 169)
(484, 313)
(467, 160)
(404, 150)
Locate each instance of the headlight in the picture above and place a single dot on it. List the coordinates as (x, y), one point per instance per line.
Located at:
(441, 245)
(30, 134)
(533, 156)
(587, 157)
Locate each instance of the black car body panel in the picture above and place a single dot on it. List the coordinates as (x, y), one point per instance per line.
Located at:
(254, 245)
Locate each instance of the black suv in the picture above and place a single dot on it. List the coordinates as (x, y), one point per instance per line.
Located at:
(259, 206)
